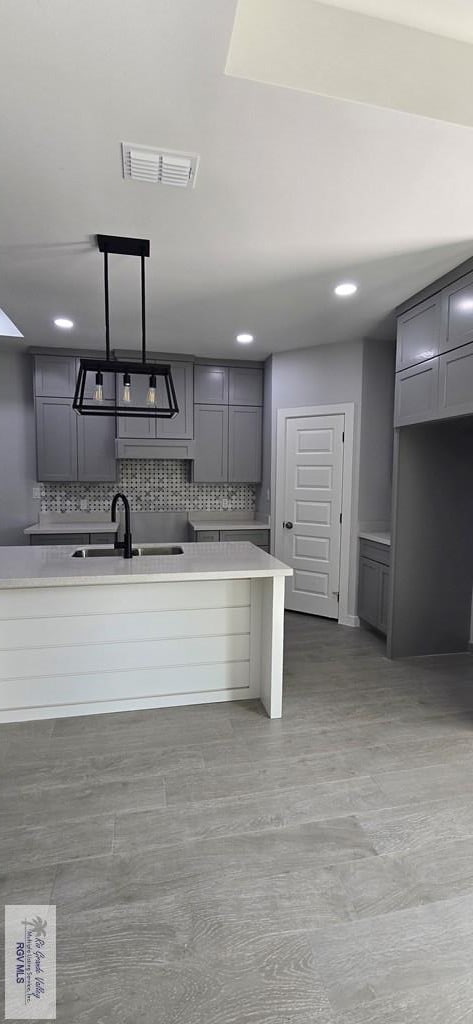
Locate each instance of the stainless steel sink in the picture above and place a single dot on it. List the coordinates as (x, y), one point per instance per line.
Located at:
(139, 552)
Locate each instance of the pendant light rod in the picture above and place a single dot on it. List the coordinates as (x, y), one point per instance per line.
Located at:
(143, 311)
(107, 306)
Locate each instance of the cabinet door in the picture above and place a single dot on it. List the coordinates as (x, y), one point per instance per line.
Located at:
(130, 426)
(182, 426)
(96, 447)
(56, 439)
(459, 313)
(368, 591)
(55, 376)
(244, 444)
(245, 386)
(211, 385)
(211, 444)
(416, 394)
(383, 605)
(456, 382)
(418, 333)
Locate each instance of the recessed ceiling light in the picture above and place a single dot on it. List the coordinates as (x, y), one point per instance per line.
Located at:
(347, 288)
(245, 339)
(62, 321)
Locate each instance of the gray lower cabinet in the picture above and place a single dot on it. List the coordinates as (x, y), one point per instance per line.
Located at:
(456, 382)
(373, 585)
(79, 539)
(418, 333)
(416, 393)
(211, 444)
(260, 538)
(244, 444)
(71, 447)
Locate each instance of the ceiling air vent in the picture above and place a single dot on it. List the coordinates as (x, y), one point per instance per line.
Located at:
(159, 166)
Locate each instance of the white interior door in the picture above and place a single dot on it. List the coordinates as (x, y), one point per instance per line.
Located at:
(309, 536)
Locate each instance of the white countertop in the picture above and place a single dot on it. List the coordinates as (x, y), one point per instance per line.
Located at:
(228, 524)
(81, 526)
(377, 538)
(53, 566)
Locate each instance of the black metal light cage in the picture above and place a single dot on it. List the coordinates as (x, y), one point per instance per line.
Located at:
(82, 404)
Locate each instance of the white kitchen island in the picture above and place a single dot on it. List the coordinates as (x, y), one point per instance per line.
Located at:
(81, 636)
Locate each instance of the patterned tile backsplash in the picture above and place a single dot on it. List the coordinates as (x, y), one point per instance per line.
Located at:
(152, 485)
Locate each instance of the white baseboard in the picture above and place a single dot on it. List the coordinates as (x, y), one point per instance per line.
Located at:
(349, 620)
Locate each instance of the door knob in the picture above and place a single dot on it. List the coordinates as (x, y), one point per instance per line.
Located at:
(288, 526)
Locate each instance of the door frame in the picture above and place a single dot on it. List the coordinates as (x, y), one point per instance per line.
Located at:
(348, 411)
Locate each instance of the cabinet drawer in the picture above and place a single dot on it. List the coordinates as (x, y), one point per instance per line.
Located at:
(418, 333)
(207, 536)
(416, 394)
(43, 539)
(377, 552)
(456, 382)
(258, 537)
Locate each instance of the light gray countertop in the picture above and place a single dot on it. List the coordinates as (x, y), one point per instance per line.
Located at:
(81, 526)
(228, 524)
(377, 537)
(53, 566)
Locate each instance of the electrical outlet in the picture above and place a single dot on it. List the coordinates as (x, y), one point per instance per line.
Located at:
(84, 505)
(225, 503)
(36, 493)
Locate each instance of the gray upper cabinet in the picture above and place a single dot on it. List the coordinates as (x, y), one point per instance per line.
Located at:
(70, 447)
(245, 386)
(56, 439)
(211, 444)
(149, 427)
(211, 385)
(418, 333)
(96, 447)
(55, 376)
(459, 314)
(416, 393)
(181, 426)
(456, 382)
(244, 444)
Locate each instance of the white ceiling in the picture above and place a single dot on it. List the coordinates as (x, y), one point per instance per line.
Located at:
(295, 192)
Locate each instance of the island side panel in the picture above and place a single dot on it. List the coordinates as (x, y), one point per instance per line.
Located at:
(80, 650)
(272, 644)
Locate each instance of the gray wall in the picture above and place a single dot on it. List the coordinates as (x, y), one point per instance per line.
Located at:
(377, 434)
(17, 445)
(323, 375)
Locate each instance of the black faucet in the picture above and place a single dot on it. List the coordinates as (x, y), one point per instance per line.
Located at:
(126, 543)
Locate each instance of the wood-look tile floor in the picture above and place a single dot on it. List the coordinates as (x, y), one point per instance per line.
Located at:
(212, 867)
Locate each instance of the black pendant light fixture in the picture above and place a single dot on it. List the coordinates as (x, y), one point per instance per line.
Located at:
(120, 367)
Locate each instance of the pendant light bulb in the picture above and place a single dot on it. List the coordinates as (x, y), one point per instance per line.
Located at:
(151, 396)
(98, 390)
(126, 387)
